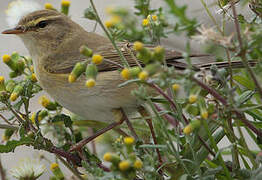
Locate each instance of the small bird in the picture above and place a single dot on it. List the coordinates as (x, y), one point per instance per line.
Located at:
(53, 41)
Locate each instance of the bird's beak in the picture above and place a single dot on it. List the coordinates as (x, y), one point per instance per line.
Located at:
(16, 30)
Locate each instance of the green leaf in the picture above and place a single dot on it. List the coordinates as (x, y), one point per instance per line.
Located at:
(245, 96)
(244, 82)
(11, 145)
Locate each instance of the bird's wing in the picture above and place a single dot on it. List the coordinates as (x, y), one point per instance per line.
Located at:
(113, 62)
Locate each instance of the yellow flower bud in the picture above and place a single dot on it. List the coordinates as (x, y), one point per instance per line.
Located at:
(65, 3)
(86, 51)
(90, 83)
(192, 98)
(54, 166)
(124, 165)
(125, 73)
(154, 17)
(44, 101)
(13, 96)
(176, 87)
(188, 129)
(143, 75)
(33, 77)
(204, 114)
(107, 157)
(97, 59)
(109, 24)
(71, 78)
(48, 6)
(2, 79)
(129, 140)
(145, 22)
(138, 164)
(6, 58)
(138, 46)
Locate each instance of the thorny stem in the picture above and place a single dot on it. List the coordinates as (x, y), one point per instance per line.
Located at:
(122, 57)
(243, 50)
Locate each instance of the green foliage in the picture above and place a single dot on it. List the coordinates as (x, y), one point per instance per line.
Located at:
(187, 126)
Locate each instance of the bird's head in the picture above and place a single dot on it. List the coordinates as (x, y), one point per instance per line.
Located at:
(44, 30)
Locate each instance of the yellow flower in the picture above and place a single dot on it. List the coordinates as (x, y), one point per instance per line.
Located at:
(71, 78)
(143, 75)
(145, 22)
(124, 165)
(176, 87)
(2, 79)
(97, 59)
(204, 114)
(33, 77)
(13, 96)
(192, 98)
(113, 21)
(65, 3)
(188, 129)
(44, 101)
(129, 140)
(138, 164)
(53, 166)
(125, 73)
(48, 6)
(90, 83)
(138, 46)
(109, 24)
(154, 17)
(6, 58)
(107, 157)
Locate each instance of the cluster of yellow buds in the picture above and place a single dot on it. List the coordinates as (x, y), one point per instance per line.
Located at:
(15, 62)
(18, 89)
(150, 18)
(113, 21)
(58, 174)
(47, 103)
(89, 69)
(151, 57)
(128, 165)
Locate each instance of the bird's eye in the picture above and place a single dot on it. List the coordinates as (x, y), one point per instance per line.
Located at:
(42, 24)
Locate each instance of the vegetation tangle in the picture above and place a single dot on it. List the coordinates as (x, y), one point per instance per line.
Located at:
(178, 129)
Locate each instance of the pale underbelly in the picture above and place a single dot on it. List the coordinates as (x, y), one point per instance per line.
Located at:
(94, 103)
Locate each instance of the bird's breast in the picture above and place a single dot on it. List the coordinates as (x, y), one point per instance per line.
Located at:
(94, 103)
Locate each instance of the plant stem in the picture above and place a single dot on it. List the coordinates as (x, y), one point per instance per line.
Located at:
(5, 126)
(74, 171)
(2, 171)
(243, 50)
(122, 57)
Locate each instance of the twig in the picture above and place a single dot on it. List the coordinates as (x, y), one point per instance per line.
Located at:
(74, 171)
(5, 119)
(2, 171)
(6, 126)
(243, 50)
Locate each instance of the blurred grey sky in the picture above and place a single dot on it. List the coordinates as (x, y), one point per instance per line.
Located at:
(10, 43)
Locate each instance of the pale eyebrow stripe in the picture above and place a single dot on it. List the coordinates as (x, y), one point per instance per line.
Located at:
(36, 21)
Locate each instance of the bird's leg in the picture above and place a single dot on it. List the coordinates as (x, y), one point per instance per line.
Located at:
(144, 113)
(120, 116)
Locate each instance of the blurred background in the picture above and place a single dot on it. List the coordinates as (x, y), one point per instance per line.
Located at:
(10, 43)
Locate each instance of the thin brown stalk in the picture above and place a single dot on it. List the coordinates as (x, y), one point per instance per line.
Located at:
(243, 50)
